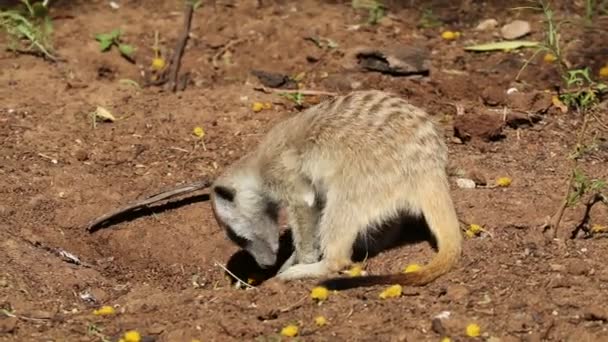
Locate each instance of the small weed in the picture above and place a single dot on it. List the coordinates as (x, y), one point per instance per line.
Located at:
(94, 330)
(29, 28)
(582, 92)
(376, 10)
(107, 40)
(429, 19)
(297, 98)
(582, 185)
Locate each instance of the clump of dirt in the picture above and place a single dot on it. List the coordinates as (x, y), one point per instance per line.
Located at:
(159, 268)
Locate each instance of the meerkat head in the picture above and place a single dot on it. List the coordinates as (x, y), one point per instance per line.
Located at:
(248, 217)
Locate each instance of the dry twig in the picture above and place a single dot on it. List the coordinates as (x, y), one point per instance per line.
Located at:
(184, 189)
(306, 92)
(584, 224)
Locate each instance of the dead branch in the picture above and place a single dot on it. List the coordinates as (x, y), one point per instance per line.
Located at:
(295, 91)
(171, 74)
(184, 189)
(553, 225)
(584, 224)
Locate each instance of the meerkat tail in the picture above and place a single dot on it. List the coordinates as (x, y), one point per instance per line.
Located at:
(441, 218)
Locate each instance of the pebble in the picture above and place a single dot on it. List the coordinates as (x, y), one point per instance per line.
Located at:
(515, 29)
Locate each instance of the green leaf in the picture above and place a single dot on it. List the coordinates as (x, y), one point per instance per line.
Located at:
(115, 34)
(504, 45)
(104, 45)
(104, 36)
(126, 49)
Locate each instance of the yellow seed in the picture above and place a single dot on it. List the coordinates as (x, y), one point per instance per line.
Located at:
(132, 336)
(412, 268)
(392, 291)
(450, 35)
(267, 105)
(598, 228)
(469, 233)
(475, 228)
(257, 106)
(473, 330)
(503, 181)
(320, 321)
(446, 339)
(549, 58)
(319, 293)
(199, 132)
(250, 281)
(604, 71)
(158, 63)
(355, 271)
(289, 331)
(104, 310)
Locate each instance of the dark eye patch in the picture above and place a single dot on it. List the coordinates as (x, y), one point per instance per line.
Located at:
(225, 192)
(237, 239)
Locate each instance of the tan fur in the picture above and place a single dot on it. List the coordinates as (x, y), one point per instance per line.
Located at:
(360, 160)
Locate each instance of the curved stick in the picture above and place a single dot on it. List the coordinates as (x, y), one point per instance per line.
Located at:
(184, 189)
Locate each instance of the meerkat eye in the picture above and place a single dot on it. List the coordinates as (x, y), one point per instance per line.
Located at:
(225, 193)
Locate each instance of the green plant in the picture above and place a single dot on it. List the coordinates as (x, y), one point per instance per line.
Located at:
(297, 98)
(376, 10)
(551, 41)
(582, 185)
(29, 28)
(582, 92)
(107, 40)
(429, 19)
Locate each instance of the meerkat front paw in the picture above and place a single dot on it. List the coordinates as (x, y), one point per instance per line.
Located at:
(301, 271)
(288, 263)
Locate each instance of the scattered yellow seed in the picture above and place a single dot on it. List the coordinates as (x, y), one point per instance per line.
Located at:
(598, 228)
(257, 106)
(446, 339)
(104, 310)
(473, 330)
(549, 58)
(475, 228)
(450, 35)
(158, 63)
(199, 132)
(121, 340)
(320, 321)
(559, 104)
(392, 291)
(604, 71)
(132, 336)
(503, 181)
(250, 281)
(289, 331)
(267, 105)
(355, 271)
(412, 268)
(319, 293)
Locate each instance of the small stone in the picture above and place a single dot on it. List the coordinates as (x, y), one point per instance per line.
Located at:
(515, 29)
(457, 293)
(478, 177)
(438, 327)
(577, 267)
(595, 313)
(557, 267)
(493, 96)
(81, 155)
(484, 126)
(486, 25)
(465, 183)
(8, 325)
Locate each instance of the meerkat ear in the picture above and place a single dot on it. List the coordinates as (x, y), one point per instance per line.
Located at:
(225, 193)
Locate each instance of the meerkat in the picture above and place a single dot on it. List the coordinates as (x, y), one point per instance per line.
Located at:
(341, 169)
